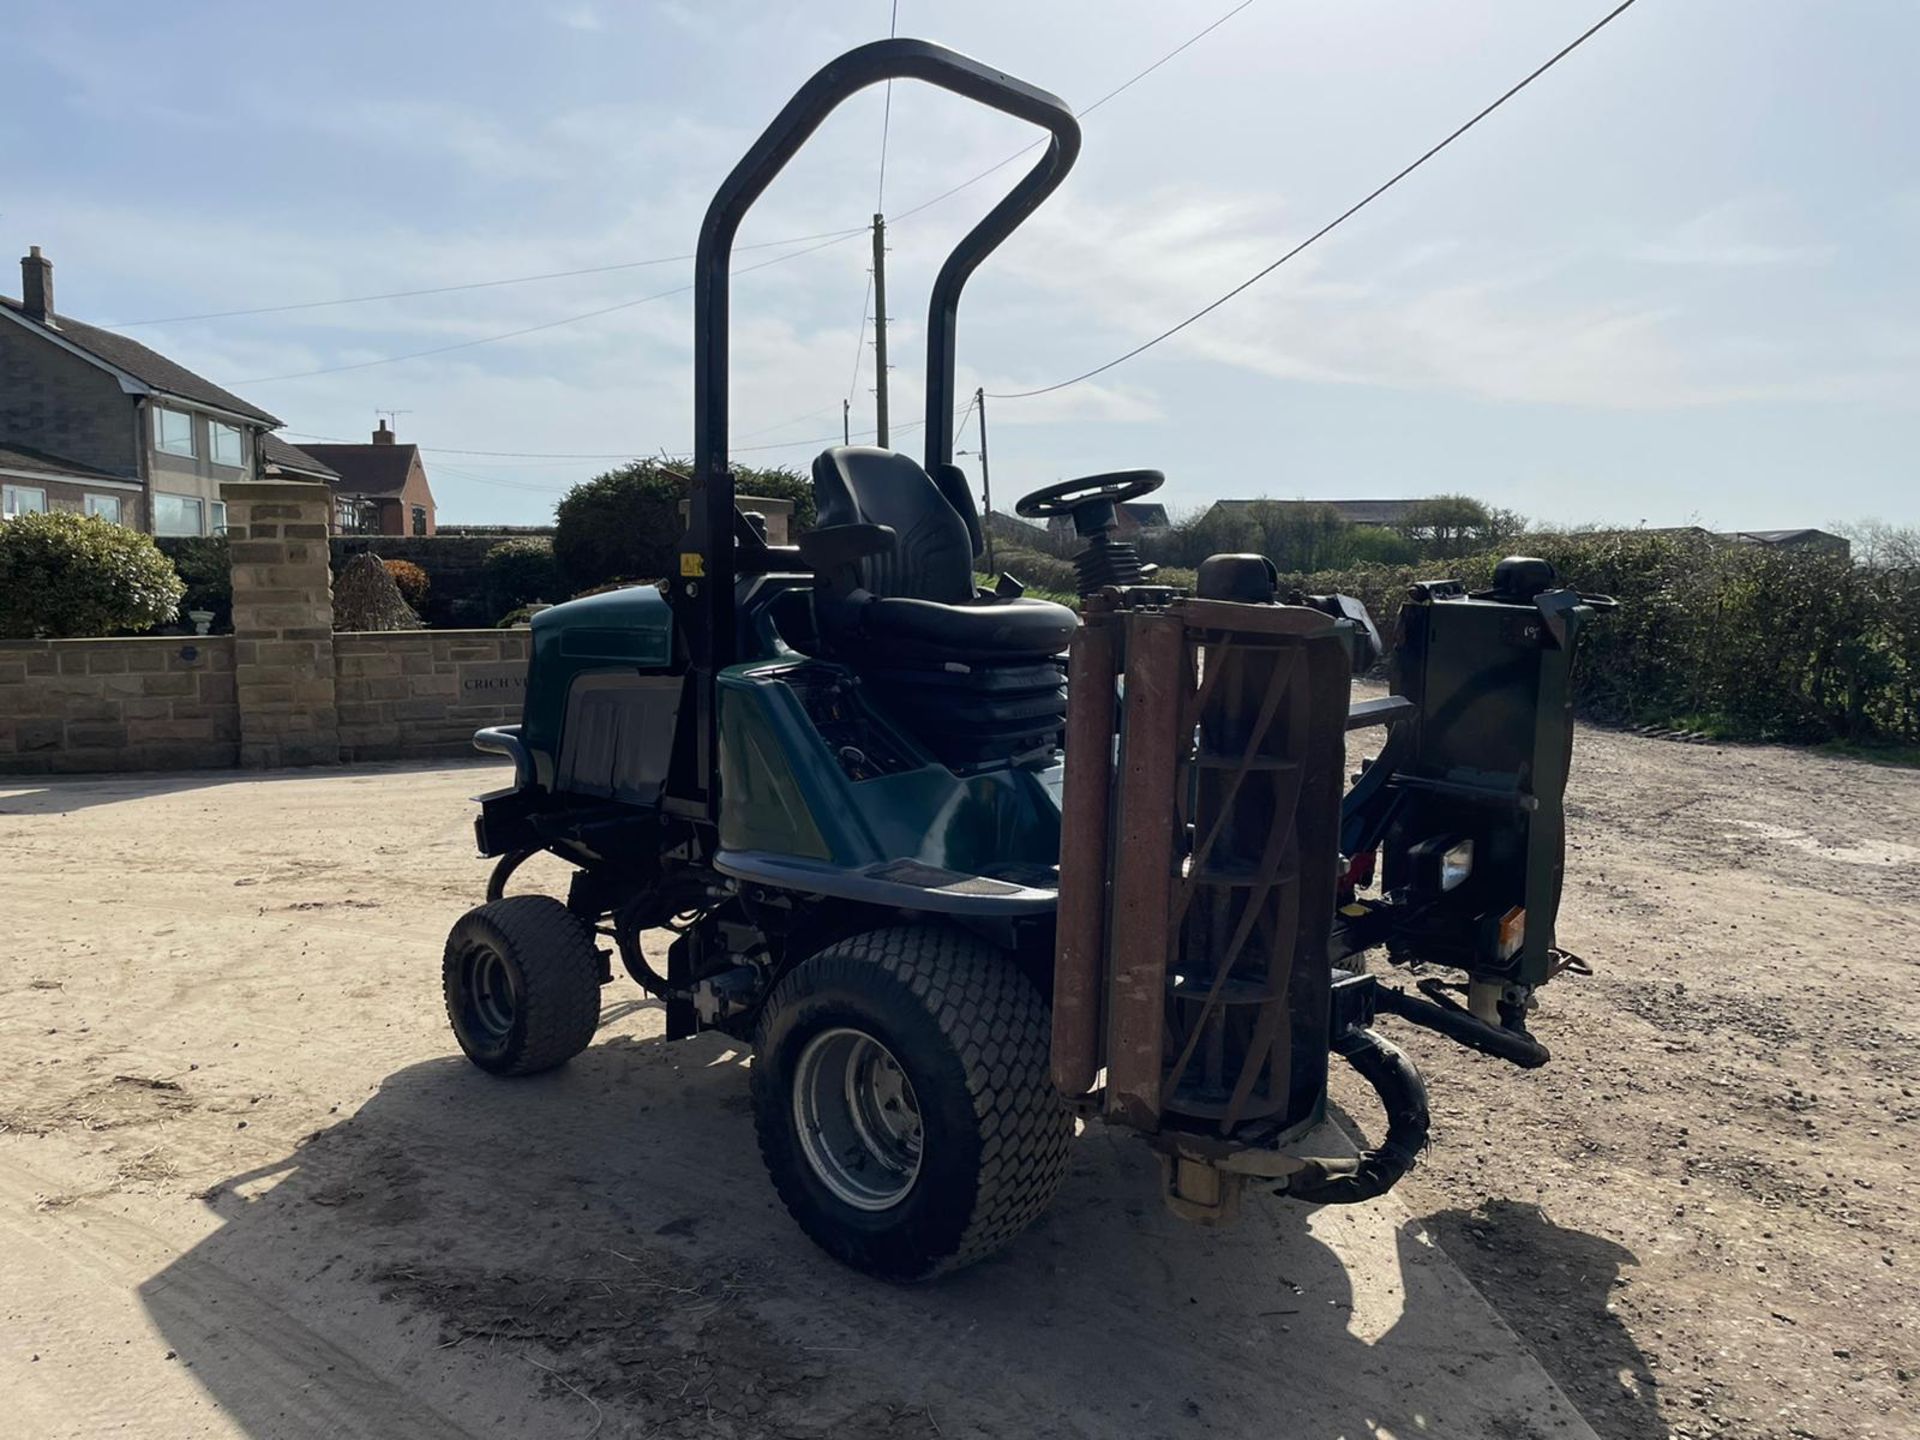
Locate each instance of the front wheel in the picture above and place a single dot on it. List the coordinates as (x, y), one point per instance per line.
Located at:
(903, 1100)
(522, 983)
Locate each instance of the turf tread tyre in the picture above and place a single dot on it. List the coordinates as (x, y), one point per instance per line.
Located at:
(557, 972)
(996, 1035)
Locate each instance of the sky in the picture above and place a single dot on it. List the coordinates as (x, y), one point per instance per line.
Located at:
(1671, 283)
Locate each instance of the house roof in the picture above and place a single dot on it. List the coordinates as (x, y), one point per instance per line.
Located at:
(16, 458)
(1147, 514)
(366, 469)
(147, 366)
(1354, 512)
(1783, 537)
(283, 456)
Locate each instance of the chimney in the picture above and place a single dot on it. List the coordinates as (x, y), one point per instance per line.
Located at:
(36, 285)
(383, 436)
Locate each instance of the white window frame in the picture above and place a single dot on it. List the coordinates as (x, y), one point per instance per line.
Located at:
(10, 498)
(199, 506)
(216, 517)
(116, 503)
(160, 414)
(215, 428)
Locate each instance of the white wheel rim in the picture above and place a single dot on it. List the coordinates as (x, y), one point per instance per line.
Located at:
(857, 1118)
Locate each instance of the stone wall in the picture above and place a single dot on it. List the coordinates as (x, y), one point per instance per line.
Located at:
(424, 692)
(284, 689)
(91, 705)
(282, 622)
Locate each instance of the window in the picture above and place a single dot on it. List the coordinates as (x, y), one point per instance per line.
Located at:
(107, 507)
(173, 432)
(22, 500)
(217, 513)
(227, 447)
(176, 515)
(419, 519)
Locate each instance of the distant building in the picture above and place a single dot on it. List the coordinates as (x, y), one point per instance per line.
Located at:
(97, 424)
(1355, 512)
(1818, 540)
(379, 488)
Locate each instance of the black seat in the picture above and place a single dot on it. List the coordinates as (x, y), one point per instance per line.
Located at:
(914, 604)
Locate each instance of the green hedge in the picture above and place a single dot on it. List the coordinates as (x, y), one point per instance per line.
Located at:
(1744, 640)
(626, 525)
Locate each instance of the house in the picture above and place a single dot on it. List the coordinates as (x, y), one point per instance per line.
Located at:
(95, 423)
(1386, 513)
(1808, 539)
(281, 460)
(379, 488)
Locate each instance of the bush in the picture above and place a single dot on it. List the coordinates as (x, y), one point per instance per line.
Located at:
(1751, 642)
(205, 565)
(64, 575)
(410, 580)
(365, 598)
(626, 525)
(517, 572)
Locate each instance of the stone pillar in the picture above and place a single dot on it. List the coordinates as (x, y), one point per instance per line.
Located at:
(283, 623)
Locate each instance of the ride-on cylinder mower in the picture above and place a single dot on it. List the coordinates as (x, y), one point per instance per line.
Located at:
(965, 867)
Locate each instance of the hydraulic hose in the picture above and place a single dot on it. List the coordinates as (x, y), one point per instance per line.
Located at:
(503, 871)
(1456, 1024)
(1403, 1094)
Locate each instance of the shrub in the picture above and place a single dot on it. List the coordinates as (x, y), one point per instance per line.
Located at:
(205, 565)
(64, 575)
(410, 580)
(626, 523)
(365, 598)
(517, 572)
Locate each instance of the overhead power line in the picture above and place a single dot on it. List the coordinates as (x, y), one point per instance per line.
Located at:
(886, 117)
(1119, 89)
(617, 266)
(474, 284)
(1332, 224)
(543, 325)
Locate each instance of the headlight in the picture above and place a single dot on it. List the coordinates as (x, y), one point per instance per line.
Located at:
(1441, 864)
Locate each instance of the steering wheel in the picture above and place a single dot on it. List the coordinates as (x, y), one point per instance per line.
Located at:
(1114, 487)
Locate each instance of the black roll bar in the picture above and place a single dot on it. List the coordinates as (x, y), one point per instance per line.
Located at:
(702, 591)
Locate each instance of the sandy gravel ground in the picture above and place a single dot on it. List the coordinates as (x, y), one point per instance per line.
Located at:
(247, 1188)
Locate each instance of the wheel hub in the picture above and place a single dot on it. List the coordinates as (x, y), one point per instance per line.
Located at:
(489, 986)
(857, 1118)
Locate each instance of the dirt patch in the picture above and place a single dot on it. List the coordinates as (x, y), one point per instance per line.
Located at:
(677, 1345)
(120, 1101)
(1728, 1130)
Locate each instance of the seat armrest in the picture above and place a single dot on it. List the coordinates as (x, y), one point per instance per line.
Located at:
(834, 552)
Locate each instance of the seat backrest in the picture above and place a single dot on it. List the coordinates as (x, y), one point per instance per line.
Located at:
(932, 557)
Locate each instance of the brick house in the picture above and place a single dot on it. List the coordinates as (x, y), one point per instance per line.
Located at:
(95, 423)
(379, 488)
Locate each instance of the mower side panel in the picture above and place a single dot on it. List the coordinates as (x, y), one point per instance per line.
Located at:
(626, 632)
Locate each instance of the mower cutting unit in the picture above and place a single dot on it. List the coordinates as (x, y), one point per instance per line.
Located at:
(955, 892)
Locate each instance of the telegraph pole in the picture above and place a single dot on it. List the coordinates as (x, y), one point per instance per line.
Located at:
(846, 422)
(986, 484)
(880, 328)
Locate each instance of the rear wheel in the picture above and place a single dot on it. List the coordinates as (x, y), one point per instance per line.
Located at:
(903, 1100)
(522, 983)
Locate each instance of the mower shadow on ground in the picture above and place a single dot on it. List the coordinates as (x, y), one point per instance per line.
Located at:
(64, 794)
(471, 1256)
